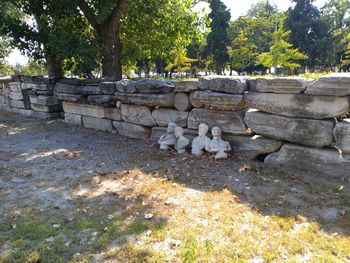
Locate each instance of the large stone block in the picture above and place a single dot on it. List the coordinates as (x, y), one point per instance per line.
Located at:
(163, 116)
(337, 84)
(15, 86)
(327, 162)
(72, 89)
(47, 100)
(69, 97)
(298, 105)
(84, 109)
(46, 115)
(73, 119)
(250, 147)
(217, 100)
(186, 85)
(229, 121)
(132, 130)
(16, 96)
(113, 113)
(137, 114)
(108, 87)
(103, 100)
(342, 136)
(17, 104)
(157, 132)
(148, 86)
(39, 86)
(182, 102)
(282, 85)
(97, 123)
(47, 108)
(316, 133)
(24, 112)
(161, 100)
(224, 84)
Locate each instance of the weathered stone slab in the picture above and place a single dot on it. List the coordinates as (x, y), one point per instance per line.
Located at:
(73, 119)
(159, 131)
(316, 133)
(298, 105)
(80, 82)
(46, 115)
(250, 147)
(186, 85)
(132, 130)
(47, 100)
(97, 123)
(148, 86)
(17, 104)
(84, 109)
(39, 86)
(113, 113)
(137, 114)
(342, 135)
(15, 86)
(24, 112)
(26, 100)
(224, 84)
(16, 96)
(65, 88)
(217, 100)
(163, 116)
(71, 89)
(282, 85)
(327, 162)
(68, 97)
(182, 102)
(161, 100)
(337, 84)
(104, 100)
(229, 122)
(33, 99)
(108, 87)
(47, 108)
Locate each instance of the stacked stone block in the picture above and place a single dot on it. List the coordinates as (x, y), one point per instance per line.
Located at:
(41, 96)
(18, 98)
(308, 117)
(4, 93)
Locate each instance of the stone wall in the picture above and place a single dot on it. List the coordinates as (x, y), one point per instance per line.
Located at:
(296, 123)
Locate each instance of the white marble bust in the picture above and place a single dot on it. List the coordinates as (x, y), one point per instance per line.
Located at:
(217, 145)
(182, 141)
(199, 143)
(169, 138)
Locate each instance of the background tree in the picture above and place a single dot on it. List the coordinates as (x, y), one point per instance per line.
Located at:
(281, 53)
(345, 62)
(308, 33)
(241, 53)
(5, 50)
(217, 40)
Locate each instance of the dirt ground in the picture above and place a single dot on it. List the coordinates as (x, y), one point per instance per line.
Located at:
(70, 194)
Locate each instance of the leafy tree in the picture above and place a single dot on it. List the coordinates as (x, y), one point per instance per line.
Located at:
(261, 9)
(45, 30)
(345, 62)
(5, 50)
(241, 53)
(217, 39)
(281, 53)
(181, 62)
(335, 14)
(308, 32)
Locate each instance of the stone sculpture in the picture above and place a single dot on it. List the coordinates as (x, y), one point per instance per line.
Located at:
(181, 142)
(217, 145)
(169, 138)
(199, 143)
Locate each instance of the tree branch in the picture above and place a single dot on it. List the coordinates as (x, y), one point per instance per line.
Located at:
(89, 14)
(118, 12)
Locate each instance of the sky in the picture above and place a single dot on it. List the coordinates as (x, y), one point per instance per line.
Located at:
(237, 8)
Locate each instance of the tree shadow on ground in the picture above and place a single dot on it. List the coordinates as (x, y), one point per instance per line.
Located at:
(88, 181)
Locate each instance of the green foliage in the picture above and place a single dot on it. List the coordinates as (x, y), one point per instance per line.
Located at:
(308, 32)
(241, 53)
(217, 40)
(181, 62)
(281, 53)
(346, 61)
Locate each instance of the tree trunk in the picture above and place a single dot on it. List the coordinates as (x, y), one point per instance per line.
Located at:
(55, 67)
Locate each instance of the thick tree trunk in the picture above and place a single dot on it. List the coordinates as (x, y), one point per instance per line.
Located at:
(55, 67)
